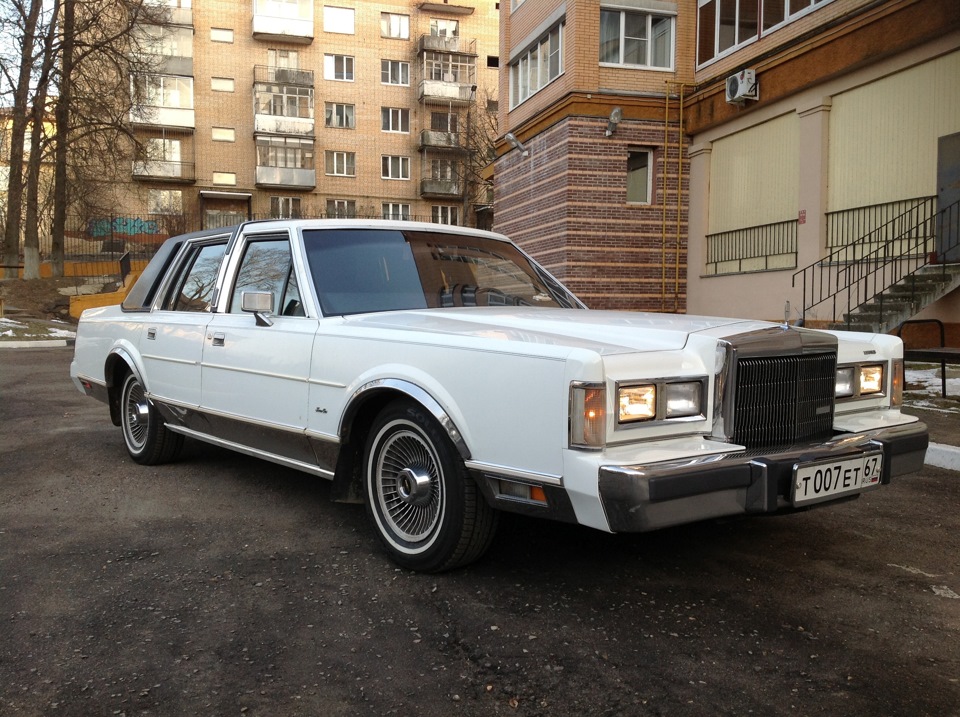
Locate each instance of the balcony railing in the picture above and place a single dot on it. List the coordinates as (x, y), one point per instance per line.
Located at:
(290, 177)
(459, 45)
(277, 124)
(761, 248)
(443, 188)
(446, 92)
(282, 76)
(162, 170)
(163, 116)
(430, 138)
(283, 29)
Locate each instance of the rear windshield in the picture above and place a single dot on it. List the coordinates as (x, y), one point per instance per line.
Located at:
(368, 270)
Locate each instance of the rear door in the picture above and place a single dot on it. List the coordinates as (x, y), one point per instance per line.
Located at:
(171, 345)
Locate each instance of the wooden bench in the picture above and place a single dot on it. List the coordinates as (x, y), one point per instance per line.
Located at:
(941, 354)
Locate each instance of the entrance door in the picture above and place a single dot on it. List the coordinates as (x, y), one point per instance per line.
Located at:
(948, 196)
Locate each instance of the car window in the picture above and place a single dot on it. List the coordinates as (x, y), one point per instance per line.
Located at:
(268, 266)
(192, 289)
(366, 270)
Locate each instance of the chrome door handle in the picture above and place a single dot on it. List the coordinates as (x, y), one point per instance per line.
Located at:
(152, 334)
(218, 339)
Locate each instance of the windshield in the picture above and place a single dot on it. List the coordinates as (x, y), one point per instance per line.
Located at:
(366, 270)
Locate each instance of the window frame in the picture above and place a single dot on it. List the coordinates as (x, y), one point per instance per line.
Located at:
(521, 68)
(330, 72)
(401, 65)
(402, 165)
(395, 120)
(330, 110)
(331, 158)
(650, 153)
(337, 14)
(649, 19)
(387, 26)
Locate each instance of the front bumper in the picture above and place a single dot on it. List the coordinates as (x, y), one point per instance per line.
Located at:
(640, 498)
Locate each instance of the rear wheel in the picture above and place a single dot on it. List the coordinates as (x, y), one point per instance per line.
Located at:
(148, 441)
(427, 511)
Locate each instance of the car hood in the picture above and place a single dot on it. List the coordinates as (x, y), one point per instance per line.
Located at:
(605, 332)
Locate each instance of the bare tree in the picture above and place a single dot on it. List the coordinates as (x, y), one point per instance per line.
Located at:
(78, 56)
(482, 131)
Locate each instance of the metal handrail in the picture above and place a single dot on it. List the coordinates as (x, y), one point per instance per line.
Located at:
(861, 279)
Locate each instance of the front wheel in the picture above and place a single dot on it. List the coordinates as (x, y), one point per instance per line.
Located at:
(427, 511)
(148, 441)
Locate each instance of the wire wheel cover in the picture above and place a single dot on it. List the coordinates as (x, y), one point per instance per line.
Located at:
(409, 485)
(137, 416)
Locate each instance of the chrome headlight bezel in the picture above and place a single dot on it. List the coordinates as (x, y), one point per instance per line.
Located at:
(861, 380)
(668, 400)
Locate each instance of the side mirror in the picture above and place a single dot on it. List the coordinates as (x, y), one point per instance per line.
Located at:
(259, 303)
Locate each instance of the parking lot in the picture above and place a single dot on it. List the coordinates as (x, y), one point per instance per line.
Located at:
(221, 585)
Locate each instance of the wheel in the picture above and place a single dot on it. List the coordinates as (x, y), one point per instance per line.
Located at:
(148, 441)
(427, 511)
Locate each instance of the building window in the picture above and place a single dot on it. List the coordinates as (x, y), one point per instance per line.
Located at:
(723, 26)
(339, 115)
(445, 215)
(285, 152)
(444, 28)
(444, 169)
(394, 119)
(162, 150)
(448, 67)
(288, 59)
(537, 67)
(165, 201)
(394, 167)
(444, 121)
(338, 20)
(493, 62)
(393, 25)
(284, 101)
(338, 67)
(167, 91)
(637, 39)
(285, 207)
(221, 84)
(395, 211)
(639, 166)
(223, 134)
(340, 164)
(341, 208)
(227, 178)
(220, 34)
(394, 72)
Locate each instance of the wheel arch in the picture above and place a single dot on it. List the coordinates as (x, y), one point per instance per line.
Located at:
(119, 362)
(358, 416)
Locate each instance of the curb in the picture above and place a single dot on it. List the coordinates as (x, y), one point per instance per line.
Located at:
(941, 456)
(42, 344)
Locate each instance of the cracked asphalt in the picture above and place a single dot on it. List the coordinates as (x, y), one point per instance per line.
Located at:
(221, 585)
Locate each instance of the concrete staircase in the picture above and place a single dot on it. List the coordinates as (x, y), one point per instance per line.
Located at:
(902, 300)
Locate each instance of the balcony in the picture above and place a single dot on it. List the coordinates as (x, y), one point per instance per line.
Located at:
(437, 43)
(161, 170)
(163, 117)
(297, 30)
(433, 139)
(282, 76)
(441, 188)
(277, 124)
(175, 65)
(443, 92)
(286, 177)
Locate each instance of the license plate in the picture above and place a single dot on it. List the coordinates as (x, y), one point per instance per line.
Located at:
(825, 480)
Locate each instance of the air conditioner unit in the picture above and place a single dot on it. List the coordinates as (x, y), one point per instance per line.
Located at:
(742, 87)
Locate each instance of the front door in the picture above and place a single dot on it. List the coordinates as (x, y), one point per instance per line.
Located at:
(948, 198)
(255, 377)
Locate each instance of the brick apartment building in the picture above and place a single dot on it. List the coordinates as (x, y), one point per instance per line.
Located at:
(693, 155)
(294, 107)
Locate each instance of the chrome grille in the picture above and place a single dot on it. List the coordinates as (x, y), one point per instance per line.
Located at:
(782, 400)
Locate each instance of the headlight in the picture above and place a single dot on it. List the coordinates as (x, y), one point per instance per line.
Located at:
(660, 401)
(859, 380)
(637, 403)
